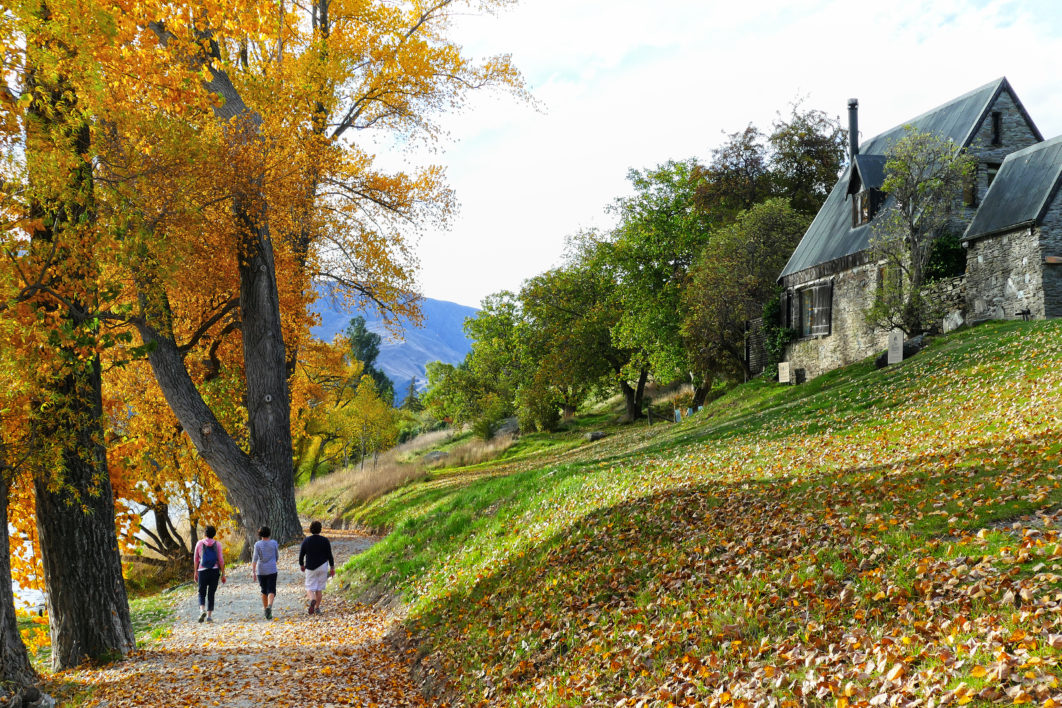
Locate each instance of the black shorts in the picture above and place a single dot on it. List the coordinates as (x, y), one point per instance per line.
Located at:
(268, 583)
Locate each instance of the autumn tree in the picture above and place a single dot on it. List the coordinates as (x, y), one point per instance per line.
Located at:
(59, 287)
(924, 177)
(17, 676)
(164, 491)
(325, 381)
(303, 199)
(371, 419)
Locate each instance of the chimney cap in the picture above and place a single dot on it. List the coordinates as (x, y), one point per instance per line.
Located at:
(853, 103)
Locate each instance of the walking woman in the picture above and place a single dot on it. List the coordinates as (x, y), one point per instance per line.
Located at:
(316, 561)
(209, 564)
(264, 568)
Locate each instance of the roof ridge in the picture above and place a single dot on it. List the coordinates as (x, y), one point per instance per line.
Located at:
(997, 83)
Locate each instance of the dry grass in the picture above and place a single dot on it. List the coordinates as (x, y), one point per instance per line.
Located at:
(348, 488)
(476, 451)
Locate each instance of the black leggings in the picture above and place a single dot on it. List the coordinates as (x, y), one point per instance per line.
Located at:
(208, 585)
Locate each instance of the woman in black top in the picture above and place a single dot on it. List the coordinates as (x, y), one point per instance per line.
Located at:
(316, 561)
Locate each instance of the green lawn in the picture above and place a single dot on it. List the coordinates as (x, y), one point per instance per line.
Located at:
(867, 536)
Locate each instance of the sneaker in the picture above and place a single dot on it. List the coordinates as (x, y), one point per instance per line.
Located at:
(269, 613)
(210, 619)
(313, 606)
(202, 616)
(317, 610)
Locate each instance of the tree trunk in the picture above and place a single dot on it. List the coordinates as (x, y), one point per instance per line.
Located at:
(633, 396)
(265, 496)
(16, 674)
(639, 393)
(262, 483)
(700, 392)
(87, 606)
(265, 365)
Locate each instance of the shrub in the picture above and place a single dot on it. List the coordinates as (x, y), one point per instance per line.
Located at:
(775, 335)
(947, 258)
(537, 409)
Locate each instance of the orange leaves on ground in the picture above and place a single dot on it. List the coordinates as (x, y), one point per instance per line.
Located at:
(898, 546)
(342, 657)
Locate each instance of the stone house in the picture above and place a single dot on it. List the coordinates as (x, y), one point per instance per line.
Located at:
(830, 280)
(1014, 244)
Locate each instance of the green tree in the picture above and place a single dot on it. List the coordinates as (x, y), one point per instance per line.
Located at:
(495, 367)
(451, 395)
(412, 402)
(924, 177)
(659, 235)
(566, 341)
(365, 347)
(593, 255)
(738, 176)
(807, 152)
(731, 280)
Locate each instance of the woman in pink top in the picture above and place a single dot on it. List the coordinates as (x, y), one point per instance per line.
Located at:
(209, 564)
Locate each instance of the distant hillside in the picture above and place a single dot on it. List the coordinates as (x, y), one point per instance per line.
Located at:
(441, 338)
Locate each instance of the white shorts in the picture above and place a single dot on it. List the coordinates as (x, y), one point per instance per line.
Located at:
(317, 578)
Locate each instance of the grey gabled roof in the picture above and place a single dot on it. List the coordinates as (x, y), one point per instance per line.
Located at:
(869, 172)
(831, 235)
(1022, 190)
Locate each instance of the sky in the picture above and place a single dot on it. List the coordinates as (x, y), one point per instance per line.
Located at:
(621, 84)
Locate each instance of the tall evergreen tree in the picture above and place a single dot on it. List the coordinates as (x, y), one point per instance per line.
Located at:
(365, 347)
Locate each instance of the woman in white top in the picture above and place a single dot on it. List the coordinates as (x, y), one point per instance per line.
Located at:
(264, 568)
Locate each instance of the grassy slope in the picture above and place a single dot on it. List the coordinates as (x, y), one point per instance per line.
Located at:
(833, 543)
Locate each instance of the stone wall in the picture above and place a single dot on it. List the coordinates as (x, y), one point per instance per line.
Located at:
(1003, 276)
(949, 299)
(1015, 134)
(850, 338)
(1050, 233)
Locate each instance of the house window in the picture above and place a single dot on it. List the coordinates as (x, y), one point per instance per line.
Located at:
(969, 189)
(991, 169)
(997, 128)
(816, 307)
(864, 205)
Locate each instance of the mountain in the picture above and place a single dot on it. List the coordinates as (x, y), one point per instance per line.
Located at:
(440, 338)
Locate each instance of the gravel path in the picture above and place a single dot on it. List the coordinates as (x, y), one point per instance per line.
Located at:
(242, 660)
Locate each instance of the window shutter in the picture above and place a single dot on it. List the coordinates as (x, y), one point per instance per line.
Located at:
(828, 307)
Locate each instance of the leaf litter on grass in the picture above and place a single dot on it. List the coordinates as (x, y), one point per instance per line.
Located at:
(846, 548)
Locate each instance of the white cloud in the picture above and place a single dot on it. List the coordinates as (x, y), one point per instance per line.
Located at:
(623, 85)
